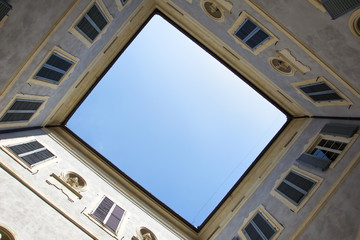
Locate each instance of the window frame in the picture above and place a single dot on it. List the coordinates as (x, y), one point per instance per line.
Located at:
(272, 39)
(81, 36)
(90, 214)
(3, 20)
(270, 219)
(315, 141)
(288, 202)
(34, 167)
(345, 100)
(121, 3)
(22, 97)
(49, 83)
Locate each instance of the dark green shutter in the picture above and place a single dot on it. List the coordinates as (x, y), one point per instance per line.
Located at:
(4, 9)
(341, 130)
(313, 161)
(295, 187)
(92, 23)
(337, 8)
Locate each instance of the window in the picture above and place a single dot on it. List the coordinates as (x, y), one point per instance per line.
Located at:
(121, 3)
(259, 228)
(32, 153)
(54, 68)
(321, 92)
(329, 146)
(4, 9)
(21, 110)
(109, 214)
(92, 23)
(337, 8)
(295, 187)
(261, 225)
(252, 35)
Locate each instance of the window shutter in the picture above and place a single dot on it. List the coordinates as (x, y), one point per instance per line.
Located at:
(341, 130)
(26, 147)
(20, 104)
(245, 29)
(115, 218)
(54, 68)
(37, 157)
(4, 9)
(31, 152)
(86, 28)
(291, 193)
(103, 209)
(259, 228)
(92, 23)
(295, 187)
(265, 227)
(251, 34)
(320, 92)
(313, 161)
(97, 17)
(21, 110)
(337, 8)
(251, 232)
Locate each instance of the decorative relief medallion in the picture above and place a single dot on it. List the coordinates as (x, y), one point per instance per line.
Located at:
(144, 233)
(69, 183)
(215, 9)
(286, 64)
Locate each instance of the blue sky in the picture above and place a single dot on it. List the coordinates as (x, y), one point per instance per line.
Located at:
(176, 121)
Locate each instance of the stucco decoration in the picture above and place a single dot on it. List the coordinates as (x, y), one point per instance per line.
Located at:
(5, 234)
(286, 64)
(215, 9)
(69, 183)
(354, 23)
(144, 233)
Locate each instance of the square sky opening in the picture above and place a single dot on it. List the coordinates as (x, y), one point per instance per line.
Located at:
(176, 120)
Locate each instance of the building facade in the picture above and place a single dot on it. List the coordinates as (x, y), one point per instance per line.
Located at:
(302, 56)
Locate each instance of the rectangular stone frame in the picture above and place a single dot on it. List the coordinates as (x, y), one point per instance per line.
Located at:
(287, 202)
